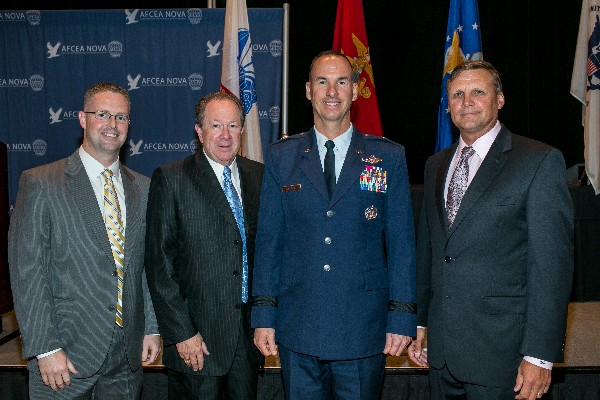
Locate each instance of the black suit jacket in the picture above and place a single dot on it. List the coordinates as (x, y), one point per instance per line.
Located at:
(496, 285)
(194, 258)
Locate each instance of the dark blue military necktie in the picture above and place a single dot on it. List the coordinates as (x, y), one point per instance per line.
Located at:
(329, 167)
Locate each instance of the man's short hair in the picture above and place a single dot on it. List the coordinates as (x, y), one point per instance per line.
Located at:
(200, 109)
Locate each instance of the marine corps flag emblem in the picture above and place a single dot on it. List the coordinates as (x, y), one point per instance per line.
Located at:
(350, 38)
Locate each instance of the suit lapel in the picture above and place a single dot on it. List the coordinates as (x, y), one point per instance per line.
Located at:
(440, 184)
(78, 184)
(489, 169)
(310, 163)
(133, 214)
(352, 168)
(249, 188)
(206, 181)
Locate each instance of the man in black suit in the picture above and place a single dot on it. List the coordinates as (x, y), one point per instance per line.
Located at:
(494, 253)
(200, 252)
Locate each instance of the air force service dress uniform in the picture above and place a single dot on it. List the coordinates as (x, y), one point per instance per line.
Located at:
(333, 275)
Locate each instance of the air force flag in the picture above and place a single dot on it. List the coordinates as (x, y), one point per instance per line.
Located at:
(463, 43)
(585, 85)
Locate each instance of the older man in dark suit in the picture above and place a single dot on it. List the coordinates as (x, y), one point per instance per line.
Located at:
(334, 282)
(202, 216)
(76, 252)
(495, 253)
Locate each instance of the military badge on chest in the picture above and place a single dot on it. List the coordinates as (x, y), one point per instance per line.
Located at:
(371, 212)
(373, 179)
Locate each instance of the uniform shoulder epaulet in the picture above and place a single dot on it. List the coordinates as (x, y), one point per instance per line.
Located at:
(287, 138)
(381, 138)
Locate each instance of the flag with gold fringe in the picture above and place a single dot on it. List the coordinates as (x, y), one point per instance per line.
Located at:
(585, 86)
(350, 37)
(463, 42)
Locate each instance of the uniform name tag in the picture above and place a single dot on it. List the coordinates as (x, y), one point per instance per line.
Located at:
(291, 188)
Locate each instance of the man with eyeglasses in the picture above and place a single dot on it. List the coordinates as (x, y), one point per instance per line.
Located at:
(201, 227)
(76, 254)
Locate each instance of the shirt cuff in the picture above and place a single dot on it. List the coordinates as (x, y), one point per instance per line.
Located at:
(538, 362)
(48, 353)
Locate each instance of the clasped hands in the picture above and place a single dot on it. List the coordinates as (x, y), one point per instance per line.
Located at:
(192, 351)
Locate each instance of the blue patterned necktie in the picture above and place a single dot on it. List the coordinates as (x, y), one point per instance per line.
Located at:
(458, 184)
(238, 213)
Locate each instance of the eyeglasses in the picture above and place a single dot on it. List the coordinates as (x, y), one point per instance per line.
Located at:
(105, 116)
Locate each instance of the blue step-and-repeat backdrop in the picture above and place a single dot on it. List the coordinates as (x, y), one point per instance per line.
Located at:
(166, 58)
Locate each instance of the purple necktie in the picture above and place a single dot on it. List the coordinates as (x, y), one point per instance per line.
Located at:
(458, 184)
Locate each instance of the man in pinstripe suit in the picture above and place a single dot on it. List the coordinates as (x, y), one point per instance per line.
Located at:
(83, 342)
(195, 259)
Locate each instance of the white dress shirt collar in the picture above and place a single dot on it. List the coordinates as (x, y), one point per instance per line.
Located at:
(483, 144)
(218, 170)
(342, 143)
(94, 168)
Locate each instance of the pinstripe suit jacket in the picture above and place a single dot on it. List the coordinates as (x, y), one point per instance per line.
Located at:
(62, 267)
(194, 258)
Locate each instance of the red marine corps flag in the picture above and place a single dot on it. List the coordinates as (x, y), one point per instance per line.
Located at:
(350, 37)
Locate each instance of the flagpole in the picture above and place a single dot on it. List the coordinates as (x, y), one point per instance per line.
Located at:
(285, 72)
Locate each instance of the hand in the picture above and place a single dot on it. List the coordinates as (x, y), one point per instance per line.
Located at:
(55, 370)
(150, 349)
(192, 351)
(532, 381)
(416, 352)
(394, 344)
(264, 340)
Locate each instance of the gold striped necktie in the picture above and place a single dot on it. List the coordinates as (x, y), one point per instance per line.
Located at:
(116, 235)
